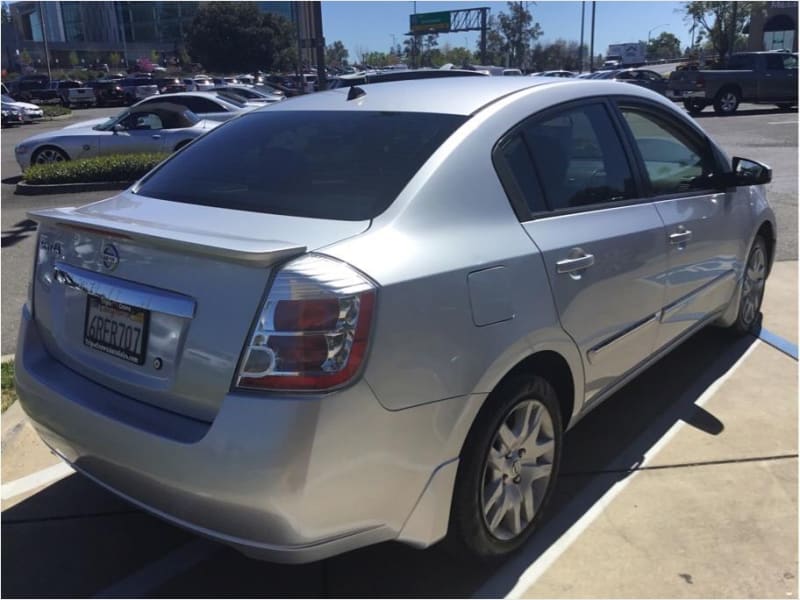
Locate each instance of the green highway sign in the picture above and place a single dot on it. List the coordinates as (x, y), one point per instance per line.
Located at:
(430, 22)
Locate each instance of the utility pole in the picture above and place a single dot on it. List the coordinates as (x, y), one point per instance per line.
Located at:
(44, 38)
(591, 47)
(580, 48)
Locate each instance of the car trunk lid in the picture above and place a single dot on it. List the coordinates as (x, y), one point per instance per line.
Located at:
(155, 299)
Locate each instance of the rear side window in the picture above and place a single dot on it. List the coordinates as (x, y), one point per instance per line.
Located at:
(579, 159)
(322, 164)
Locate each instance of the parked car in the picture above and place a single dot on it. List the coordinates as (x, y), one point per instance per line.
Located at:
(138, 87)
(170, 85)
(352, 318)
(108, 92)
(758, 77)
(202, 83)
(560, 73)
(250, 94)
(33, 88)
(29, 112)
(645, 78)
(160, 127)
(11, 115)
(363, 78)
(207, 105)
(74, 93)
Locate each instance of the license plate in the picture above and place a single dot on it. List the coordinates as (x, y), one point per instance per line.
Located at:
(116, 328)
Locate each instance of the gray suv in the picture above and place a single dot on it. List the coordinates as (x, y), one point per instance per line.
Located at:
(370, 314)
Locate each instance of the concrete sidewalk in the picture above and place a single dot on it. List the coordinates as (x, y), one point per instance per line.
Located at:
(714, 513)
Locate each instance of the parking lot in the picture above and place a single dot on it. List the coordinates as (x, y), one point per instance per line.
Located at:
(683, 484)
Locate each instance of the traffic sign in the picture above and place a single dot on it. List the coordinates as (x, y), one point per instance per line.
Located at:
(437, 22)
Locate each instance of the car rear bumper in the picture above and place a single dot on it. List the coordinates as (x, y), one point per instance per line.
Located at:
(685, 94)
(284, 479)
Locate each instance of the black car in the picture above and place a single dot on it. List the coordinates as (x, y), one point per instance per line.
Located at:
(11, 117)
(108, 92)
(170, 85)
(645, 78)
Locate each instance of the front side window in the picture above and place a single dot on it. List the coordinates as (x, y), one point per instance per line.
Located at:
(139, 121)
(676, 161)
(579, 159)
(322, 164)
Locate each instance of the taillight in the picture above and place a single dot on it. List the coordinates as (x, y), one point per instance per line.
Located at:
(313, 330)
(700, 82)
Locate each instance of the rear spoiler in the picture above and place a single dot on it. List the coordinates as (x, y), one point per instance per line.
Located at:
(191, 241)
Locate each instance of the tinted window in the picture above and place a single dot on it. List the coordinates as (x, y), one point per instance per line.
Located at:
(142, 121)
(742, 62)
(676, 160)
(331, 165)
(518, 159)
(579, 159)
(774, 62)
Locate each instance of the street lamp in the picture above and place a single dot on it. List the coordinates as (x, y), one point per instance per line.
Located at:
(653, 29)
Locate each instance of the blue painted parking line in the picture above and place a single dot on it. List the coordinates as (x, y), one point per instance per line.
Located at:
(777, 342)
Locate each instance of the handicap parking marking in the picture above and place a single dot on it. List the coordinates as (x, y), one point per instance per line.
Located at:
(544, 558)
(778, 342)
(35, 480)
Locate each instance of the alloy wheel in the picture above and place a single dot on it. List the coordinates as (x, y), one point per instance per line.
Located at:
(517, 470)
(49, 155)
(753, 286)
(728, 102)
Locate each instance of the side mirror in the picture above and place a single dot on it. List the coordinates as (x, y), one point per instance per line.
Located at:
(117, 127)
(750, 172)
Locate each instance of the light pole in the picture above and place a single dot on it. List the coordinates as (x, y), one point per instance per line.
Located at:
(647, 49)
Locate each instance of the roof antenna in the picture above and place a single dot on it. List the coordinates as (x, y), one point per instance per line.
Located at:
(355, 92)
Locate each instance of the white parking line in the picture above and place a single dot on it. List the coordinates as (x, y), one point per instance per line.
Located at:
(35, 480)
(781, 122)
(549, 557)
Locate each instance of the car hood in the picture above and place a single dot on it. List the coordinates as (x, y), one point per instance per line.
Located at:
(23, 105)
(86, 124)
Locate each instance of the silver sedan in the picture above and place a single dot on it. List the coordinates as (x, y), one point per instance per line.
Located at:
(371, 314)
(159, 127)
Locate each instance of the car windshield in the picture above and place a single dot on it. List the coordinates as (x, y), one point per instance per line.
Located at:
(320, 164)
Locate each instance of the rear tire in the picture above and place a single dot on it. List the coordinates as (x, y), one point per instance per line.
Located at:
(754, 279)
(694, 107)
(508, 469)
(726, 102)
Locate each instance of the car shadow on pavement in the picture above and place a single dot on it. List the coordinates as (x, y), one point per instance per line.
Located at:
(19, 232)
(750, 112)
(73, 538)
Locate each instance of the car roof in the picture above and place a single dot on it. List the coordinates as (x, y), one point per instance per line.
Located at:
(457, 95)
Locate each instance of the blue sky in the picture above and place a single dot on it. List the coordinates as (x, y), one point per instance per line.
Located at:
(370, 25)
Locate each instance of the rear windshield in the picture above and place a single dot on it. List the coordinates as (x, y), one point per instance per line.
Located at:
(321, 164)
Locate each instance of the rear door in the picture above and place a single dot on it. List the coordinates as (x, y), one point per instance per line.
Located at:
(703, 223)
(603, 246)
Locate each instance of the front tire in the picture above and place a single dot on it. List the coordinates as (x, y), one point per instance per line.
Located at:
(48, 155)
(753, 281)
(726, 102)
(508, 470)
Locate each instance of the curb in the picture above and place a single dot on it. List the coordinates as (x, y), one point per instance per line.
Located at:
(27, 189)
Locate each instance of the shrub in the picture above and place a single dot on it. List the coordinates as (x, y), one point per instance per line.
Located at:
(55, 110)
(120, 167)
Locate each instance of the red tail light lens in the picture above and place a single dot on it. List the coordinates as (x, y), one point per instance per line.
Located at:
(700, 81)
(313, 331)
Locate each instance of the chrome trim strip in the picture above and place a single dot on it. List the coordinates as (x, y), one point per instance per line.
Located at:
(635, 328)
(124, 292)
(680, 303)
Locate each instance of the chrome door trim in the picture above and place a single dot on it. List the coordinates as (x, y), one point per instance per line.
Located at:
(595, 352)
(577, 263)
(124, 292)
(680, 237)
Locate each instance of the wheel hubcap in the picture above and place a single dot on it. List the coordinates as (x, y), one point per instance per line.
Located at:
(728, 101)
(753, 287)
(48, 156)
(517, 470)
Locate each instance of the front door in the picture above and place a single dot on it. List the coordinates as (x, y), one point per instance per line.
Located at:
(703, 223)
(138, 132)
(604, 248)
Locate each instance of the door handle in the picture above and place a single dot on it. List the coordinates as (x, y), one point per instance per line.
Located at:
(575, 263)
(681, 236)
(156, 137)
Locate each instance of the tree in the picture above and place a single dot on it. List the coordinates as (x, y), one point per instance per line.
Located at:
(720, 23)
(155, 57)
(235, 36)
(518, 30)
(73, 59)
(114, 59)
(336, 54)
(6, 19)
(429, 44)
(666, 45)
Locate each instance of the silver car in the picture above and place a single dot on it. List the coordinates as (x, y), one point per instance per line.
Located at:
(370, 314)
(156, 127)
